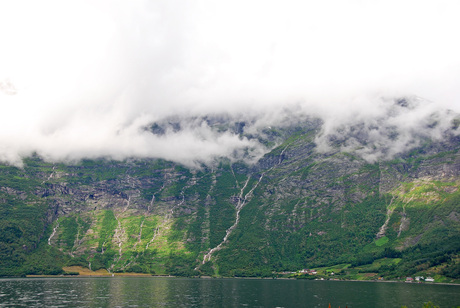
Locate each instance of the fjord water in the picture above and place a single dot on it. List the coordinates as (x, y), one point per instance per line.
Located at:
(183, 292)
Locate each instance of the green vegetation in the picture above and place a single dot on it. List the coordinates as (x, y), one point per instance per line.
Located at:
(310, 210)
(382, 241)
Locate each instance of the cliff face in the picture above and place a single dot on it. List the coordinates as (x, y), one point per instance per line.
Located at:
(297, 207)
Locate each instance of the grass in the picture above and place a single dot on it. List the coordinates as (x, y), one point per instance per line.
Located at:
(306, 212)
(83, 271)
(382, 241)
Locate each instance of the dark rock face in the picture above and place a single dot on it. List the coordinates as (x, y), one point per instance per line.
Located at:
(297, 206)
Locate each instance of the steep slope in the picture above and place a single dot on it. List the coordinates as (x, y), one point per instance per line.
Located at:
(301, 205)
(337, 208)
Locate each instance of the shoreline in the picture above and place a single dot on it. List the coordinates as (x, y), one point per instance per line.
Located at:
(143, 275)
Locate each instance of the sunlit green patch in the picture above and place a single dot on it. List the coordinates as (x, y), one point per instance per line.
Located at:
(382, 241)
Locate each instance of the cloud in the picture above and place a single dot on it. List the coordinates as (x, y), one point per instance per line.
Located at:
(83, 78)
(395, 128)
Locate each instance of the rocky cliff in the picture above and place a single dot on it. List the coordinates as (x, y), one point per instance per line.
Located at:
(318, 197)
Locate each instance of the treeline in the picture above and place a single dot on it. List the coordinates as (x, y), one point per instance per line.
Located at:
(369, 258)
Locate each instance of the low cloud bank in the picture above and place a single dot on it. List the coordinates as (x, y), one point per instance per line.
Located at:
(391, 127)
(83, 79)
(394, 127)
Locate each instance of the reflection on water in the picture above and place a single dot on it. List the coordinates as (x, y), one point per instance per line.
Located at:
(183, 292)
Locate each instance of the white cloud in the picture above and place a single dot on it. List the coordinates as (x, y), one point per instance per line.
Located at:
(90, 74)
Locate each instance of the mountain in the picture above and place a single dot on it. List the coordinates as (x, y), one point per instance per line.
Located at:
(372, 195)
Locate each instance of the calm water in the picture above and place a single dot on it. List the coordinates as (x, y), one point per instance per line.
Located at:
(182, 292)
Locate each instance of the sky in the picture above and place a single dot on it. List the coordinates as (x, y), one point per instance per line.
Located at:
(84, 78)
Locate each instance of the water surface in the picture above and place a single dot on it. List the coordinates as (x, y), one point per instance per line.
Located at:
(185, 292)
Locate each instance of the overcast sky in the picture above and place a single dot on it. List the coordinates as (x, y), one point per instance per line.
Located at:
(80, 78)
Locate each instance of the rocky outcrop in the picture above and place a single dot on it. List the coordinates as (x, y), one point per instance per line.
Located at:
(297, 205)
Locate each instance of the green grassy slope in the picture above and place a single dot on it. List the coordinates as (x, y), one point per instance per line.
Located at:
(297, 208)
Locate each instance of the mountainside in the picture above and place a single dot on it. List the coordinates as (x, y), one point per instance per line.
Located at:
(317, 198)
